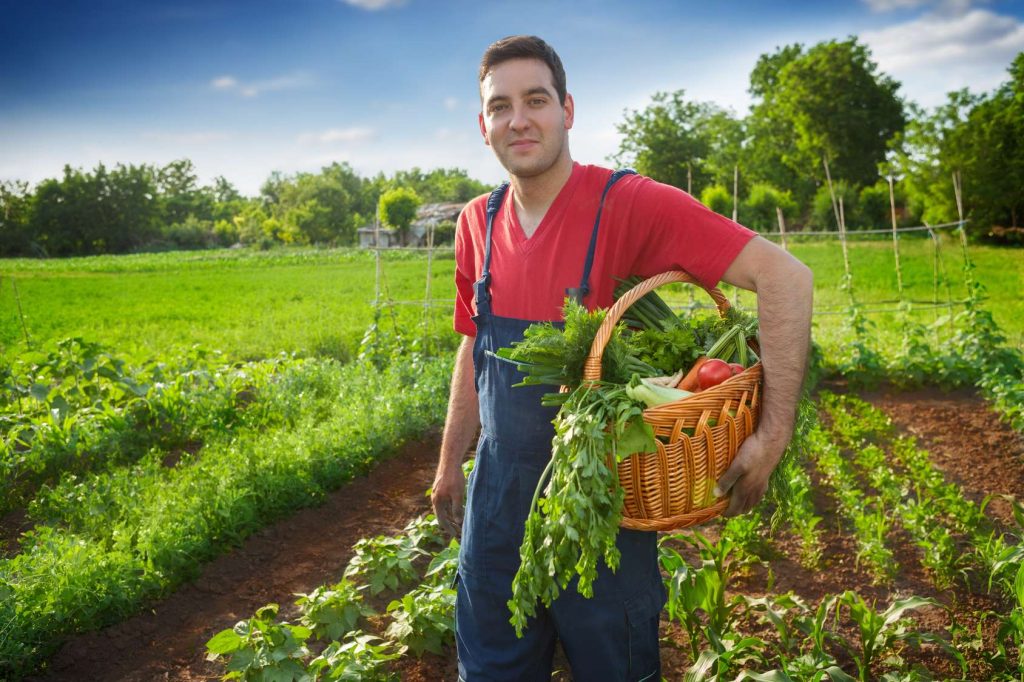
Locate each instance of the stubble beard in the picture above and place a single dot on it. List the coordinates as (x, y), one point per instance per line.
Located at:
(531, 168)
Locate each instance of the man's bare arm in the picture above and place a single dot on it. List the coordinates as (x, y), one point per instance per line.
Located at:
(784, 289)
(460, 427)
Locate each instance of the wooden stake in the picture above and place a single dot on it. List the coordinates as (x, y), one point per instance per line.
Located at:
(782, 226)
(735, 192)
(895, 240)
(831, 190)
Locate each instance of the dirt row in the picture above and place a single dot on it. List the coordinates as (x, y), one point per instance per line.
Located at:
(166, 642)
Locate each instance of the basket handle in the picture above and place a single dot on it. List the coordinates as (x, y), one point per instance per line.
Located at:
(592, 365)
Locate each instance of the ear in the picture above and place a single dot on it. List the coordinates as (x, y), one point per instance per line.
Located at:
(483, 129)
(569, 111)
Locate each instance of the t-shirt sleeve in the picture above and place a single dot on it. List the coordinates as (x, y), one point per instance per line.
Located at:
(465, 275)
(685, 234)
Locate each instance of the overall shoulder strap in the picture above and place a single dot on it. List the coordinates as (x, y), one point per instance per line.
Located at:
(493, 206)
(579, 293)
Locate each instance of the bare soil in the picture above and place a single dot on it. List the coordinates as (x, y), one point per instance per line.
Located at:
(967, 441)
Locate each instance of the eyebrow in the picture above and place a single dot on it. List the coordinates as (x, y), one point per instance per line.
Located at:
(537, 90)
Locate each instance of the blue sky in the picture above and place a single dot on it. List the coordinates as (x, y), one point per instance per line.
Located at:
(247, 87)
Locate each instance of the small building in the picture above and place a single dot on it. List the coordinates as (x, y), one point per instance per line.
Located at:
(428, 217)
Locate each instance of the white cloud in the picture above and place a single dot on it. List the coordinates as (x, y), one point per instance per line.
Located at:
(292, 81)
(224, 83)
(451, 103)
(374, 5)
(332, 135)
(937, 41)
(942, 6)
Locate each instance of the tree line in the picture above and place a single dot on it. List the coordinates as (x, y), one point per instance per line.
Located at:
(830, 101)
(131, 208)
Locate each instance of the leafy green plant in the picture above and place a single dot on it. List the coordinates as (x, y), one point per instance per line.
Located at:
(1010, 635)
(697, 599)
(423, 619)
(357, 658)
(882, 632)
(331, 612)
(385, 563)
(262, 650)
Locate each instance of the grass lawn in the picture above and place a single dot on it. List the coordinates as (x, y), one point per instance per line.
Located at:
(246, 304)
(251, 304)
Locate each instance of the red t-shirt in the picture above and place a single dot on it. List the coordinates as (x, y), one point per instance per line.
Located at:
(646, 228)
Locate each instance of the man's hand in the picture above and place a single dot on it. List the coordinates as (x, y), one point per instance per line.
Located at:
(747, 477)
(446, 496)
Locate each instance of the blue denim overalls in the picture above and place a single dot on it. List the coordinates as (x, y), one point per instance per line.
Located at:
(610, 638)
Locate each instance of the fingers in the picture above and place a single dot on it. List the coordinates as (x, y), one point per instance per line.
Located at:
(448, 510)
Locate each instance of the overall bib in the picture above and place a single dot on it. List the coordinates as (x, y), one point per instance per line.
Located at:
(612, 637)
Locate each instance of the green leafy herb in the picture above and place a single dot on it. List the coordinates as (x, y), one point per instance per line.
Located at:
(575, 525)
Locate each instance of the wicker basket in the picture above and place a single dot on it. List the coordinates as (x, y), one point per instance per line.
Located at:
(671, 488)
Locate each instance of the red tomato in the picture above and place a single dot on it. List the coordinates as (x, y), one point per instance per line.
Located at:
(736, 367)
(712, 373)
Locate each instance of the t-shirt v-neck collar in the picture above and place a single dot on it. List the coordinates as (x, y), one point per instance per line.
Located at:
(517, 235)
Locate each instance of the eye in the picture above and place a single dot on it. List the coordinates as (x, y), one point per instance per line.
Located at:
(538, 102)
(495, 108)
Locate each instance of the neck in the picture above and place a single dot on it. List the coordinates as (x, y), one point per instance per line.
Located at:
(535, 194)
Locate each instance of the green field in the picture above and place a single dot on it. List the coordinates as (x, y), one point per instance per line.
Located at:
(252, 304)
(246, 304)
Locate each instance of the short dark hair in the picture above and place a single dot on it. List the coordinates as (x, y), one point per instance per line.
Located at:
(525, 47)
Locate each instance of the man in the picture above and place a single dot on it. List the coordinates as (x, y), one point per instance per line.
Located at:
(518, 253)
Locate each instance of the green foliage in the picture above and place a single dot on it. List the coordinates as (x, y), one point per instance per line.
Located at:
(759, 208)
(15, 204)
(423, 619)
(121, 538)
(718, 199)
(673, 135)
(261, 650)
(357, 658)
(397, 208)
(80, 408)
(385, 563)
(332, 612)
(575, 524)
(823, 212)
(829, 101)
(249, 304)
(978, 136)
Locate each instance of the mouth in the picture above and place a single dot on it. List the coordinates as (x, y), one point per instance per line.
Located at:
(523, 144)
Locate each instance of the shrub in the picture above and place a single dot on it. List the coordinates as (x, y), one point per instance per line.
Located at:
(718, 199)
(758, 210)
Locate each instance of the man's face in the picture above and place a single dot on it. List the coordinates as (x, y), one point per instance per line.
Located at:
(522, 119)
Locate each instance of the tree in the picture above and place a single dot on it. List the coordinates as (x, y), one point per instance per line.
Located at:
(829, 101)
(398, 209)
(98, 212)
(179, 193)
(15, 202)
(674, 138)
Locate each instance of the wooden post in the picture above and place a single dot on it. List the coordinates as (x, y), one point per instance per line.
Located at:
(958, 191)
(782, 226)
(831, 191)
(376, 251)
(426, 296)
(735, 191)
(895, 241)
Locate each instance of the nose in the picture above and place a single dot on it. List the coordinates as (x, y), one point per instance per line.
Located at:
(518, 121)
